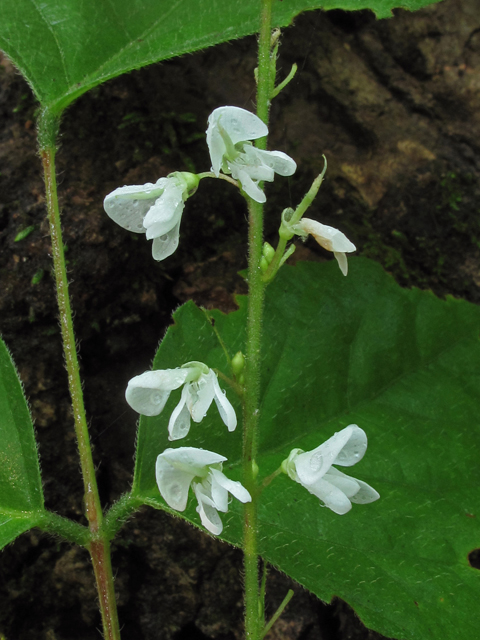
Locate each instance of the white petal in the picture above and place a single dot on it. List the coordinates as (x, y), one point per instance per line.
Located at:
(255, 172)
(279, 162)
(225, 409)
(165, 213)
(208, 514)
(312, 465)
(218, 492)
(342, 261)
(250, 187)
(127, 206)
(193, 459)
(179, 423)
(355, 447)
(216, 147)
(235, 488)
(252, 163)
(201, 394)
(328, 237)
(165, 245)
(173, 483)
(333, 497)
(148, 392)
(239, 124)
(349, 486)
(366, 494)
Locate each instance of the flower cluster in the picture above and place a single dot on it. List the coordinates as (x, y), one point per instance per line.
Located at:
(314, 470)
(156, 210)
(177, 469)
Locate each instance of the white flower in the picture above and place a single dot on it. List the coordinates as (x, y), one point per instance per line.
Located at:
(314, 471)
(229, 131)
(177, 469)
(149, 392)
(329, 238)
(154, 209)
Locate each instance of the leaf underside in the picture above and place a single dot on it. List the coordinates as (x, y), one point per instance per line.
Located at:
(404, 366)
(65, 47)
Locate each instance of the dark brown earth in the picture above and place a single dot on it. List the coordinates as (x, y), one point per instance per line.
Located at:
(395, 107)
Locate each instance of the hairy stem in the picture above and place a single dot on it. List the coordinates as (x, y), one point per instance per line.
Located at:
(253, 623)
(98, 545)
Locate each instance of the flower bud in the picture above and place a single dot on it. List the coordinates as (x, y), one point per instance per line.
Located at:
(263, 264)
(268, 252)
(238, 363)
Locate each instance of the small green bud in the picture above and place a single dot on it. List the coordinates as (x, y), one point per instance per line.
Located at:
(238, 363)
(254, 469)
(263, 264)
(241, 379)
(268, 252)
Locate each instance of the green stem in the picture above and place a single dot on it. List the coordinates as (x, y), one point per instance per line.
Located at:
(285, 234)
(68, 529)
(221, 176)
(119, 513)
(98, 546)
(251, 415)
(253, 624)
(265, 81)
(277, 613)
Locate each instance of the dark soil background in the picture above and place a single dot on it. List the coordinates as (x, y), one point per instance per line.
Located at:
(395, 107)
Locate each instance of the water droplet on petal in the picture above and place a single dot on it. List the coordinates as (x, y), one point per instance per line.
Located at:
(174, 492)
(316, 462)
(157, 398)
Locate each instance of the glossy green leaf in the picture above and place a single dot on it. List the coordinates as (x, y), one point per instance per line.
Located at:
(21, 496)
(403, 365)
(65, 47)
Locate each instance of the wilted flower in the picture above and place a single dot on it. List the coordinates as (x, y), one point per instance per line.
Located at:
(149, 392)
(154, 209)
(177, 469)
(314, 471)
(329, 238)
(229, 132)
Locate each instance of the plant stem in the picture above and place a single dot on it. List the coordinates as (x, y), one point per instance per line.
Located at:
(98, 545)
(68, 529)
(278, 613)
(251, 415)
(253, 624)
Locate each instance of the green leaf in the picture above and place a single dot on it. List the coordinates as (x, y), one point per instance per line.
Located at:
(65, 47)
(404, 366)
(24, 233)
(21, 496)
